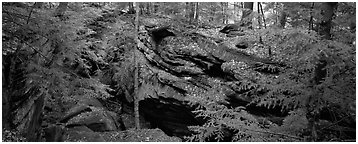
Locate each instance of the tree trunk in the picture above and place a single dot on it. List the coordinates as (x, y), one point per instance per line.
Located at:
(324, 30)
(131, 9)
(327, 13)
(196, 14)
(259, 16)
(192, 12)
(212, 13)
(325, 24)
(136, 96)
(148, 7)
(246, 19)
(187, 10)
(156, 7)
(224, 7)
(310, 27)
(263, 15)
(61, 9)
(283, 19)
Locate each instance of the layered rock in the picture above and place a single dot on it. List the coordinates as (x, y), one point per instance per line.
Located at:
(189, 64)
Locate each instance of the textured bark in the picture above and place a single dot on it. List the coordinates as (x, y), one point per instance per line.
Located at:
(61, 9)
(196, 14)
(283, 19)
(311, 18)
(136, 96)
(262, 13)
(325, 24)
(324, 30)
(248, 8)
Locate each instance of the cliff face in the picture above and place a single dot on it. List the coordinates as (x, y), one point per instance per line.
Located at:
(189, 65)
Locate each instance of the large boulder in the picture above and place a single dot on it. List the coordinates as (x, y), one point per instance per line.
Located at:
(97, 119)
(189, 66)
(229, 28)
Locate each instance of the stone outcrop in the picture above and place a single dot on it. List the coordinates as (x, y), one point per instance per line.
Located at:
(191, 63)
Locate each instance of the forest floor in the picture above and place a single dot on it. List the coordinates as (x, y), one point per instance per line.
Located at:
(142, 135)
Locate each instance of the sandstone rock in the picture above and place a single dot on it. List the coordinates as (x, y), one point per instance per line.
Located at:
(97, 120)
(82, 134)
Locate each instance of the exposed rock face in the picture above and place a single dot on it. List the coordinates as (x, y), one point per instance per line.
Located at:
(170, 115)
(189, 63)
(230, 27)
(54, 133)
(82, 134)
(89, 112)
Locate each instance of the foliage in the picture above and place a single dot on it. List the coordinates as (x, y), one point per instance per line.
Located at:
(301, 51)
(12, 136)
(88, 51)
(48, 59)
(294, 89)
(224, 123)
(298, 51)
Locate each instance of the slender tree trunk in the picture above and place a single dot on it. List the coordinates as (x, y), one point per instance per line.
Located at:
(131, 9)
(187, 10)
(263, 15)
(196, 16)
(212, 12)
(156, 7)
(259, 16)
(283, 19)
(248, 8)
(311, 18)
(136, 96)
(192, 12)
(141, 7)
(148, 7)
(275, 12)
(224, 7)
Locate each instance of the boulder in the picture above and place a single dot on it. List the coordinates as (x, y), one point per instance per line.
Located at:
(235, 34)
(190, 66)
(54, 133)
(242, 45)
(82, 134)
(97, 120)
(230, 27)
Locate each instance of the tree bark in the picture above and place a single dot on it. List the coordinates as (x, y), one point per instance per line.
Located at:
(192, 12)
(187, 10)
(262, 13)
(131, 9)
(148, 8)
(196, 12)
(310, 27)
(246, 19)
(325, 24)
(283, 19)
(136, 96)
(327, 12)
(61, 9)
(259, 16)
(224, 7)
